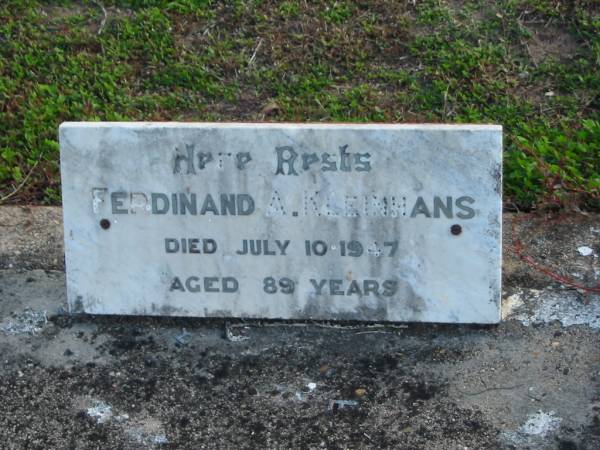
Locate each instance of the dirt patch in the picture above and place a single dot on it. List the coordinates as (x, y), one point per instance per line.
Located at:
(94, 15)
(552, 242)
(31, 237)
(551, 42)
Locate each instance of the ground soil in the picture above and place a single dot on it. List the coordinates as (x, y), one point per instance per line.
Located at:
(114, 382)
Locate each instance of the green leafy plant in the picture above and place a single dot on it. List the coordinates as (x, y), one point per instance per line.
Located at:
(529, 65)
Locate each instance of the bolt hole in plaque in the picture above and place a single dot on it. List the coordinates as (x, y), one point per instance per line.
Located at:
(456, 229)
(105, 224)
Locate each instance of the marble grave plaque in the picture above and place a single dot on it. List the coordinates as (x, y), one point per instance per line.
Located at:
(374, 222)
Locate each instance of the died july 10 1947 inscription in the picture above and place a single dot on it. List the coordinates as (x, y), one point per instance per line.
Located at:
(349, 222)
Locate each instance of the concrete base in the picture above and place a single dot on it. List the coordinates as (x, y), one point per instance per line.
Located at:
(530, 382)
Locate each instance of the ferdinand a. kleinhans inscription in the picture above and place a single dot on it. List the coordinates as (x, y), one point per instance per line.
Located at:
(359, 222)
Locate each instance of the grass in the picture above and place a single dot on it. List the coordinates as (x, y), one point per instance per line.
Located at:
(530, 65)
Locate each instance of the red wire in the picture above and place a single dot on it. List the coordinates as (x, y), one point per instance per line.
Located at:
(517, 249)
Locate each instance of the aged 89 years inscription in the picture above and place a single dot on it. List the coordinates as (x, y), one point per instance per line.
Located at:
(349, 222)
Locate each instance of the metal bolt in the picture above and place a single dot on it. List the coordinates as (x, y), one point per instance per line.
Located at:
(456, 229)
(105, 224)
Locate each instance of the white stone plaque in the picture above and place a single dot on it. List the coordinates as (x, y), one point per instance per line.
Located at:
(296, 221)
